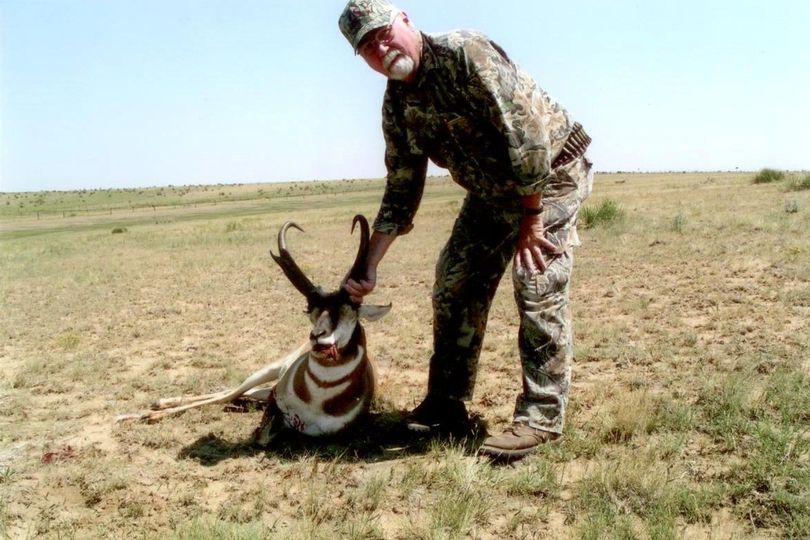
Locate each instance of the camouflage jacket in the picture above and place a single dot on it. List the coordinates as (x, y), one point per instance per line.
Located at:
(473, 111)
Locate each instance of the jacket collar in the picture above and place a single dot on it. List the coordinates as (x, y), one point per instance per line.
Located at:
(427, 63)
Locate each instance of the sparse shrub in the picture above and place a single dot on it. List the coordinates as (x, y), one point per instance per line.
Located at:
(798, 184)
(766, 176)
(792, 206)
(209, 527)
(679, 223)
(630, 416)
(119, 230)
(6, 475)
(231, 226)
(68, 342)
(606, 213)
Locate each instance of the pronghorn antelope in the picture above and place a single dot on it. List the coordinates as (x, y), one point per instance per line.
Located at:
(325, 384)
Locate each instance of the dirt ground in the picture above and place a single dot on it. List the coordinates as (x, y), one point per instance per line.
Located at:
(691, 324)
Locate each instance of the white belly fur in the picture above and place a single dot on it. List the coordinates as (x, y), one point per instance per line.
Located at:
(309, 418)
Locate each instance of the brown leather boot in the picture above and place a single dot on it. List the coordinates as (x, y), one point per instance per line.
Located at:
(516, 442)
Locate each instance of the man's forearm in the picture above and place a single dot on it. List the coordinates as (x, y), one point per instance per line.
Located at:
(378, 246)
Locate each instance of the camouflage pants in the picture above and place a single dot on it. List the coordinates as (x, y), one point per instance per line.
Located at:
(470, 267)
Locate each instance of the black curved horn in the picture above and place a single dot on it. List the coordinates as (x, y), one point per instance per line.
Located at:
(358, 270)
(288, 266)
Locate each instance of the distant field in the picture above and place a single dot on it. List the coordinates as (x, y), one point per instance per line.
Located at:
(68, 203)
(689, 411)
(34, 213)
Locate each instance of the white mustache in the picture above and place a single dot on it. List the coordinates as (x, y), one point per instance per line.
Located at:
(389, 58)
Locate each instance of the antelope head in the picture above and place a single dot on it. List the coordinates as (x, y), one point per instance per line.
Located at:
(334, 315)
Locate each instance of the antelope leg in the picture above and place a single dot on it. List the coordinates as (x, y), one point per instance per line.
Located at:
(252, 396)
(167, 403)
(257, 394)
(268, 373)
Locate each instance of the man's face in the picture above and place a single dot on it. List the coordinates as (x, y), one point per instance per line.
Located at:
(394, 50)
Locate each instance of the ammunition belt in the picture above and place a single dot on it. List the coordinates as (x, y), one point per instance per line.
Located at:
(574, 147)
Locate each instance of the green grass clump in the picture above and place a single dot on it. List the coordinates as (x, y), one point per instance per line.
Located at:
(209, 528)
(798, 184)
(606, 213)
(5, 517)
(679, 223)
(771, 486)
(6, 475)
(616, 495)
(726, 405)
(766, 176)
(68, 341)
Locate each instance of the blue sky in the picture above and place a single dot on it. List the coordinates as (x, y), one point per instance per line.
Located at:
(114, 93)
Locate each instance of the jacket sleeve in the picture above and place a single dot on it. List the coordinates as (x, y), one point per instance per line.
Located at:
(517, 109)
(405, 180)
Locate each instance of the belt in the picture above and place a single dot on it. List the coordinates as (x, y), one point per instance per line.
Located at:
(574, 147)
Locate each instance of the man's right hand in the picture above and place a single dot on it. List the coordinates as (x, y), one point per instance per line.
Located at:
(358, 289)
(378, 246)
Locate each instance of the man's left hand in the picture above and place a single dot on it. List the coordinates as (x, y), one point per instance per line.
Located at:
(533, 249)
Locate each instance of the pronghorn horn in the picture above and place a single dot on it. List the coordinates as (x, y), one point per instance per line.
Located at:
(288, 266)
(358, 270)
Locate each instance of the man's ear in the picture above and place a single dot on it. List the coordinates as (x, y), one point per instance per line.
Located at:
(372, 313)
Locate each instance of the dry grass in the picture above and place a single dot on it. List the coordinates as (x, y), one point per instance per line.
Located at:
(688, 414)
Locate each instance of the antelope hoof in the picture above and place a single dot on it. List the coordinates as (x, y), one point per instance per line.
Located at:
(240, 405)
(126, 418)
(164, 403)
(264, 435)
(268, 427)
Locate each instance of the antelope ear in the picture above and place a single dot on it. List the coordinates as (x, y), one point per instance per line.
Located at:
(372, 313)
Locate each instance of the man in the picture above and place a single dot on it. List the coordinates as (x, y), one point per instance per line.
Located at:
(458, 100)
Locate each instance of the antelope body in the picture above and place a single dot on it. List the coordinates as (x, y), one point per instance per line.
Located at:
(325, 384)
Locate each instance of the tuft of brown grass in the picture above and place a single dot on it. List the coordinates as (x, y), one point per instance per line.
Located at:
(796, 183)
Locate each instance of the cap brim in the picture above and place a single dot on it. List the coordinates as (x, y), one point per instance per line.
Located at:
(370, 27)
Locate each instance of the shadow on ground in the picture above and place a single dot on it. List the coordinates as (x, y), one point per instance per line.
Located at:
(377, 437)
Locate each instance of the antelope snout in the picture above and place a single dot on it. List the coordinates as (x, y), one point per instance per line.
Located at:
(323, 346)
(321, 339)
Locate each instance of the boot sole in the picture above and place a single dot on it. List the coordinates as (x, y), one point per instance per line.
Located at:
(502, 454)
(438, 429)
(419, 428)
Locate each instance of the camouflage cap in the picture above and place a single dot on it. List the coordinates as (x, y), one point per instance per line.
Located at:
(362, 16)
